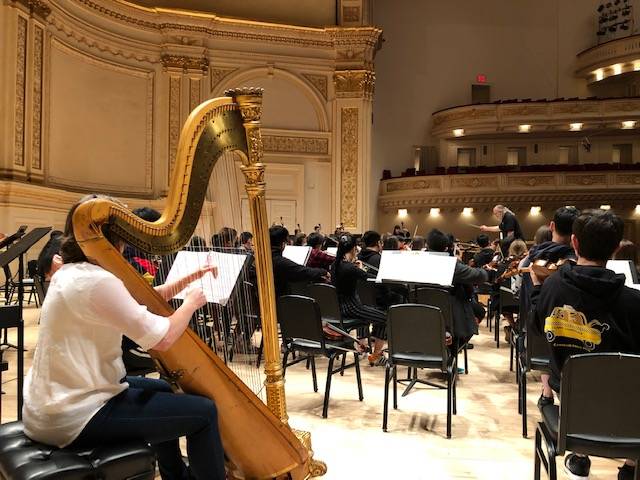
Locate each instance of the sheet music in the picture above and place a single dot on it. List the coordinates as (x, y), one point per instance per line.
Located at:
(627, 268)
(333, 251)
(216, 290)
(416, 267)
(297, 254)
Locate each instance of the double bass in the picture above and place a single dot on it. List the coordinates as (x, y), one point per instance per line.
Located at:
(256, 437)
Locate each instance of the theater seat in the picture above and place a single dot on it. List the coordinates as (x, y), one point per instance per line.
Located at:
(23, 459)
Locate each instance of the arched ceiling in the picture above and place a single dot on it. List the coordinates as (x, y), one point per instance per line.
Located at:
(313, 13)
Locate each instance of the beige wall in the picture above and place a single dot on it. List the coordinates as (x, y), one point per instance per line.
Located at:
(434, 50)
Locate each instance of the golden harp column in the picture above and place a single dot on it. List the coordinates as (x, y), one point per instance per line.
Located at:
(250, 102)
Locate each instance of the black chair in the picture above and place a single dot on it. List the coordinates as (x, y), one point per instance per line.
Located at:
(23, 459)
(327, 298)
(506, 299)
(12, 285)
(416, 336)
(440, 298)
(533, 355)
(301, 327)
(367, 292)
(598, 413)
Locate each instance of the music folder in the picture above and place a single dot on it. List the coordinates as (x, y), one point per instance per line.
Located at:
(416, 267)
(216, 290)
(628, 269)
(297, 254)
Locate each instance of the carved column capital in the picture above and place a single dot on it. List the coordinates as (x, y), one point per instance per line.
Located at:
(354, 83)
(184, 63)
(38, 8)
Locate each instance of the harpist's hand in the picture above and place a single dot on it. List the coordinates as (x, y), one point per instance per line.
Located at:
(195, 298)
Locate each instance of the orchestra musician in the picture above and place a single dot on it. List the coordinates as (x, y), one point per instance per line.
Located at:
(317, 257)
(371, 247)
(345, 273)
(486, 253)
(286, 271)
(76, 393)
(587, 294)
(509, 227)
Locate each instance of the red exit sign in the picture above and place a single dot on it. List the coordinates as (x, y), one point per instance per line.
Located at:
(481, 78)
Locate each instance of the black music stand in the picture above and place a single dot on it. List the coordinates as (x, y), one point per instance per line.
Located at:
(11, 315)
(4, 243)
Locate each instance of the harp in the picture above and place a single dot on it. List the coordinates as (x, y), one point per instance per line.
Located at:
(257, 439)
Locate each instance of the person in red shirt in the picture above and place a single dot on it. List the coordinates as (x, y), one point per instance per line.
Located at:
(317, 257)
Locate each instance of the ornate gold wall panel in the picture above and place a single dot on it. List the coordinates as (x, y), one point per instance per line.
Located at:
(38, 58)
(21, 75)
(302, 145)
(319, 82)
(175, 120)
(349, 167)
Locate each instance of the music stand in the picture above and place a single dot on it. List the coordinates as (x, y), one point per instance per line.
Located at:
(5, 242)
(15, 319)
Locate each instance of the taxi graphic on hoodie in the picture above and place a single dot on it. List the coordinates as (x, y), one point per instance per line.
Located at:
(567, 322)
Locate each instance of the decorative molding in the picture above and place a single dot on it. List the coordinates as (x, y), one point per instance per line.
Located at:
(36, 141)
(585, 180)
(427, 184)
(194, 93)
(319, 82)
(628, 179)
(474, 182)
(21, 74)
(470, 113)
(623, 106)
(575, 107)
(354, 83)
(524, 110)
(217, 74)
(184, 63)
(302, 145)
(351, 14)
(175, 91)
(35, 7)
(349, 166)
(531, 181)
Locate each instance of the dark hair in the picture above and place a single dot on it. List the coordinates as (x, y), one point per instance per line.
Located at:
(543, 234)
(627, 250)
(315, 239)
(70, 250)
(245, 237)
(482, 240)
(147, 213)
(56, 233)
(228, 236)
(452, 243)
(563, 220)
(216, 241)
(299, 239)
(418, 243)
(45, 259)
(599, 234)
(437, 241)
(391, 243)
(278, 235)
(396, 228)
(197, 243)
(370, 238)
(346, 243)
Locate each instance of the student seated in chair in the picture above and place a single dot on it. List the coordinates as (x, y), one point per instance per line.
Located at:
(76, 393)
(317, 257)
(586, 308)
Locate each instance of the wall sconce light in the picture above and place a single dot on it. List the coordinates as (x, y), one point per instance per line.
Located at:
(434, 212)
(628, 124)
(599, 74)
(535, 211)
(575, 127)
(605, 207)
(458, 132)
(617, 69)
(637, 209)
(636, 65)
(524, 128)
(402, 212)
(467, 211)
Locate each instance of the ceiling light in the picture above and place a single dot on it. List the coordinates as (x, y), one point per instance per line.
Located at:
(617, 69)
(605, 207)
(402, 212)
(637, 209)
(636, 65)
(535, 210)
(434, 212)
(524, 128)
(599, 74)
(467, 211)
(628, 124)
(458, 132)
(575, 127)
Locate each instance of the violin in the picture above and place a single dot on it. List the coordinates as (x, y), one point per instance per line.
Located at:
(542, 269)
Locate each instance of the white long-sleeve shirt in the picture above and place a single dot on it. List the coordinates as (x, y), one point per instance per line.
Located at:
(77, 365)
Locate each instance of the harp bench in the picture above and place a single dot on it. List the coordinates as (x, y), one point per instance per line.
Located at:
(23, 459)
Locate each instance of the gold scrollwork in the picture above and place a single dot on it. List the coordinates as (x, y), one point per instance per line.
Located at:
(354, 83)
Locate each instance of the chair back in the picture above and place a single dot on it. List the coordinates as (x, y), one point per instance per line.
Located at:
(439, 298)
(537, 345)
(507, 298)
(416, 329)
(367, 292)
(600, 394)
(32, 268)
(326, 297)
(299, 317)
(298, 288)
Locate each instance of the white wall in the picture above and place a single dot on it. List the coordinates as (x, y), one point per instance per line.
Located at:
(433, 51)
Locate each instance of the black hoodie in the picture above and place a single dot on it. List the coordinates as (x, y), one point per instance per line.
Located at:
(370, 257)
(584, 309)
